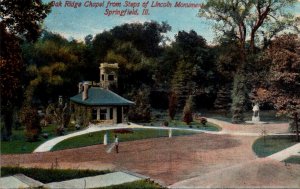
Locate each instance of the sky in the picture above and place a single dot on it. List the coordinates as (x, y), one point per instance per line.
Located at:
(79, 22)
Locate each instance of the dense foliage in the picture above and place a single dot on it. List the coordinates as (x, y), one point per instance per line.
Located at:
(13, 29)
(283, 83)
(30, 119)
(251, 24)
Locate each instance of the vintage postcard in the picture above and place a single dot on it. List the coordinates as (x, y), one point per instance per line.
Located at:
(150, 93)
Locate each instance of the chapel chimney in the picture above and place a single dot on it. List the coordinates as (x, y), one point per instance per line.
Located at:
(80, 86)
(85, 92)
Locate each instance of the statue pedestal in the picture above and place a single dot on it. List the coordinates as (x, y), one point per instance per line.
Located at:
(255, 119)
(255, 116)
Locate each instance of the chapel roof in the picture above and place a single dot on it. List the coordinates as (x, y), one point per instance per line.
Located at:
(98, 96)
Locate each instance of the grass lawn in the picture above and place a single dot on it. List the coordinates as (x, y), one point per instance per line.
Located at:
(50, 175)
(160, 116)
(97, 137)
(141, 184)
(180, 124)
(195, 125)
(18, 143)
(293, 159)
(271, 145)
(266, 116)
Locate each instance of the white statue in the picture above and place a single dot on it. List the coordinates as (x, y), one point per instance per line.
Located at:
(255, 109)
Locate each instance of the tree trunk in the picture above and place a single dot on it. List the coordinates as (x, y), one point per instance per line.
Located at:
(7, 116)
(252, 42)
(297, 126)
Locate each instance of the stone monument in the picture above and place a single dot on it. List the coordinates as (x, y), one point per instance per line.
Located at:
(255, 116)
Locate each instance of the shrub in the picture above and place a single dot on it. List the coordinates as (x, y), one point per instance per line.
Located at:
(48, 119)
(77, 126)
(142, 109)
(45, 135)
(30, 118)
(60, 131)
(157, 116)
(203, 120)
(187, 111)
(123, 131)
(166, 123)
(172, 105)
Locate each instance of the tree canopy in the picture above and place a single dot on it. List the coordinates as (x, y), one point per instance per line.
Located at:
(19, 20)
(254, 20)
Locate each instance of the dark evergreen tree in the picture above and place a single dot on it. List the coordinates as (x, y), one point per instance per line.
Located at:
(238, 96)
(223, 99)
(172, 104)
(182, 83)
(141, 111)
(188, 110)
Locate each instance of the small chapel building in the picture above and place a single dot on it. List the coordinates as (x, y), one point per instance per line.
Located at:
(102, 105)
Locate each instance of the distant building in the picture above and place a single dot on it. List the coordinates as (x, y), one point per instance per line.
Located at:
(100, 104)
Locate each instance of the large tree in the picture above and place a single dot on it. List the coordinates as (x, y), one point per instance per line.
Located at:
(146, 37)
(283, 87)
(255, 20)
(136, 47)
(53, 64)
(19, 19)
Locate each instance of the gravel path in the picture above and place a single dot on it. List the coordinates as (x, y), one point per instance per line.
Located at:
(251, 129)
(260, 173)
(166, 160)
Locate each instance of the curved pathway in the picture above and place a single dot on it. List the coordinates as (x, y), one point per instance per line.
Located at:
(286, 153)
(48, 145)
(251, 129)
(271, 129)
(227, 128)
